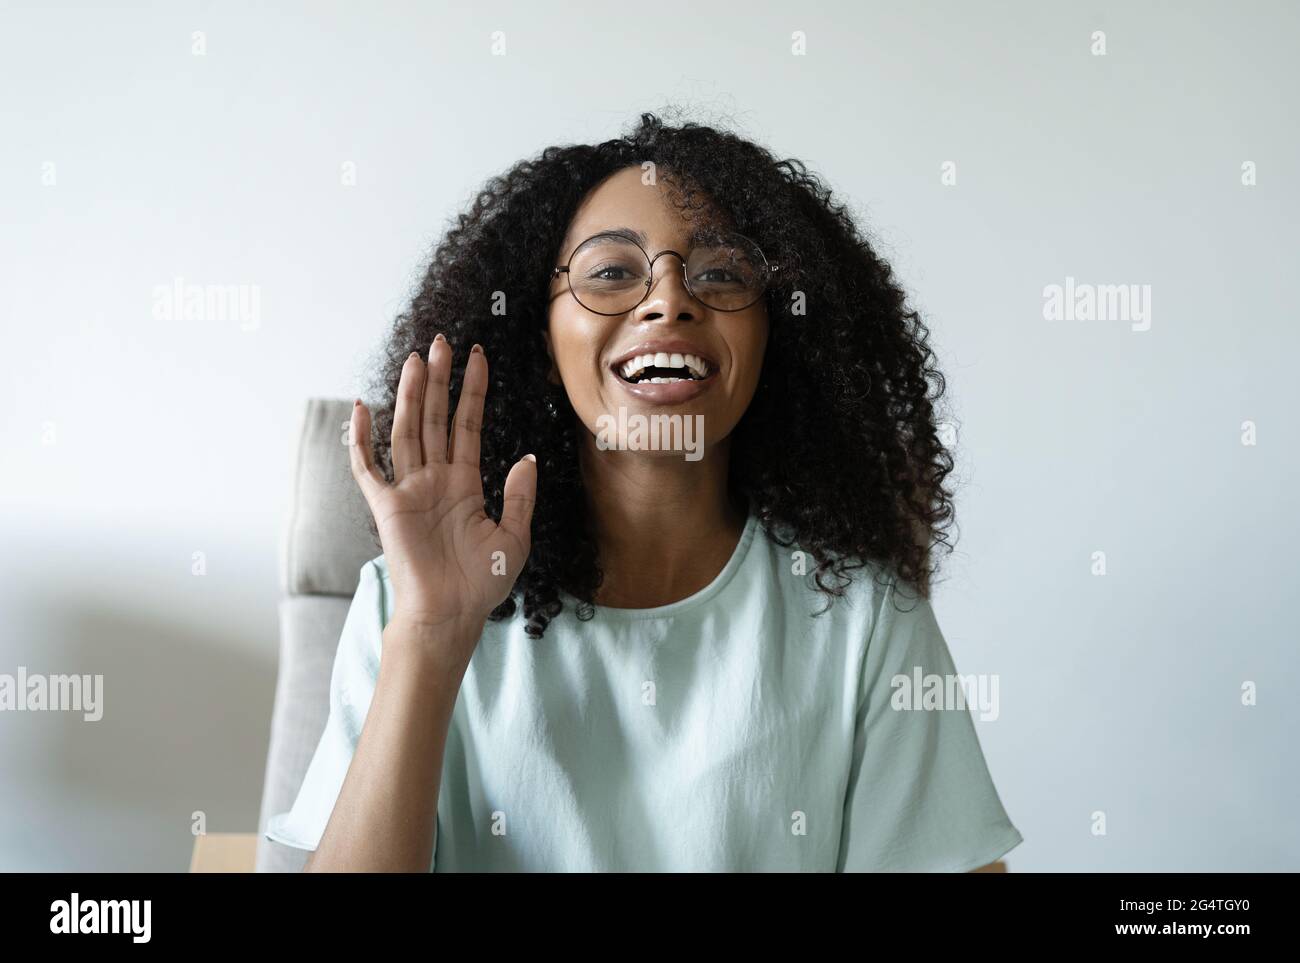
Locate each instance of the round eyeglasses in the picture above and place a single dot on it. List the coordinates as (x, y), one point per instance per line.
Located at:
(610, 273)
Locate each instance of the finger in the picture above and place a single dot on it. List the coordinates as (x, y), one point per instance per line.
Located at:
(437, 378)
(469, 410)
(362, 458)
(406, 419)
(520, 497)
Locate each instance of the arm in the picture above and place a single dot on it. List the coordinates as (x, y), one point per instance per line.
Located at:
(387, 808)
(440, 547)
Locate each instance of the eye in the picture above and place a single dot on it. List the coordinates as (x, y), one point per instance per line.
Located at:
(717, 276)
(611, 272)
(720, 277)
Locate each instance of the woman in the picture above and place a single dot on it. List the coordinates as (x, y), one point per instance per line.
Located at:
(697, 404)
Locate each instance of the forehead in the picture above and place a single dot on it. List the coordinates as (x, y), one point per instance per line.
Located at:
(624, 200)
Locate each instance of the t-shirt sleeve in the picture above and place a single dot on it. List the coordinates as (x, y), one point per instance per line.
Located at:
(919, 797)
(352, 683)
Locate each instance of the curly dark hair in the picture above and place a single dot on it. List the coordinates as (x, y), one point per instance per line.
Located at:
(849, 384)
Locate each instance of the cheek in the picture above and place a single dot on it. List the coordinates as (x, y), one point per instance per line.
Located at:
(576, 346)
(749, 344)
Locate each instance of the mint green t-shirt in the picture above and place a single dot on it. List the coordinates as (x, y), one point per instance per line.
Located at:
(733, 730)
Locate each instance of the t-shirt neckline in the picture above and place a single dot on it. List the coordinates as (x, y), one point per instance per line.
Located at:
(720, 582)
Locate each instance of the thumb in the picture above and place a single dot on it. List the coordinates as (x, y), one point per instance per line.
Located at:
(519, 497)
(361, 458)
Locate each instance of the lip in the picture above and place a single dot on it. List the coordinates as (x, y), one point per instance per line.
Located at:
(662, 394)
(673, 394)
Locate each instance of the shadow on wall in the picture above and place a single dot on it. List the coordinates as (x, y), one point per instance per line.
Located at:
(185, 727)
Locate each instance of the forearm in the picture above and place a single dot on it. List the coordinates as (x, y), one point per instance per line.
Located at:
(384, 818)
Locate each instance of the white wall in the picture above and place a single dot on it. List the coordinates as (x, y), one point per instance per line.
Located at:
(1118, 693)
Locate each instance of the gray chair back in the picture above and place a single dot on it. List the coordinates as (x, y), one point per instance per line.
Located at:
(326, 541)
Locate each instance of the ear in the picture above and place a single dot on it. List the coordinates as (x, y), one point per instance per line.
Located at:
(553, 375)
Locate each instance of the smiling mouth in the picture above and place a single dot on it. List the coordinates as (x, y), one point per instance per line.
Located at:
(664, 368)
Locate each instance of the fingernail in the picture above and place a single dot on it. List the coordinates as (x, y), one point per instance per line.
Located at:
(532, 458)
(413, 354)
(477, 349)
(439, 337)
(357, 403)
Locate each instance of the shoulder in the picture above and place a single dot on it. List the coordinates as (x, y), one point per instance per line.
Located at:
(905, 634)
(859, 596)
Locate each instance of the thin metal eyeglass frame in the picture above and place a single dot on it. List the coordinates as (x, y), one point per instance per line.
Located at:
(768, 271)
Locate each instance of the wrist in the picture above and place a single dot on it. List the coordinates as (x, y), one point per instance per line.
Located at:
(449, 641)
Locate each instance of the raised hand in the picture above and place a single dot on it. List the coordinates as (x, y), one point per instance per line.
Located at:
(450, 564)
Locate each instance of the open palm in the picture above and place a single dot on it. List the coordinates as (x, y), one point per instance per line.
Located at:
(448, 561)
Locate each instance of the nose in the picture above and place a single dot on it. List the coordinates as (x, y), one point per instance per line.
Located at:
(668, 296)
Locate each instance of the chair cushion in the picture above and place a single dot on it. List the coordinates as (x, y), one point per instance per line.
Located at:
(328, 536)
(309, 636)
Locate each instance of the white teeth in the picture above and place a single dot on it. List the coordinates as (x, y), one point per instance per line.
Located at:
(697, 366)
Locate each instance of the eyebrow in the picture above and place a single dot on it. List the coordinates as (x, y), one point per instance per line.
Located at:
(632, 234)
(640, 237)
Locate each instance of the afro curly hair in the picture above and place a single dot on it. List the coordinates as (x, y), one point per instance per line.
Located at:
(849, 383)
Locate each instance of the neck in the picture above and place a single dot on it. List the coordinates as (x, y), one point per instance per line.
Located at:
(664, 526)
